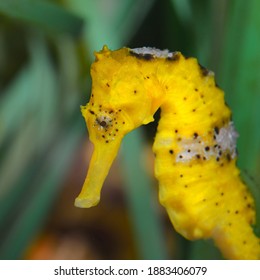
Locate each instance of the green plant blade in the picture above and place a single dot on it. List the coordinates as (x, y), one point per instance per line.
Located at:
(35, 12)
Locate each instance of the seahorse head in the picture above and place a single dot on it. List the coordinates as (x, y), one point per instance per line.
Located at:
(120, 101)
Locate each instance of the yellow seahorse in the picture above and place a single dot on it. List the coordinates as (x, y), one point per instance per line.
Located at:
(195, 144)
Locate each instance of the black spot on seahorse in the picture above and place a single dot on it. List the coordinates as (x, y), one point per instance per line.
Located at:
(216, 129)
(103, 123)
(195, 135)
(228, 157)
(204, 71)
(175, 56)
(144, 56)
(207, 148)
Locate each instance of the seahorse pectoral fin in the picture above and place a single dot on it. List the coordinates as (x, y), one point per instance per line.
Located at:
(101, 161)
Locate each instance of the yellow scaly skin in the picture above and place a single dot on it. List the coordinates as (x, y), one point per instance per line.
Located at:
(195, 158)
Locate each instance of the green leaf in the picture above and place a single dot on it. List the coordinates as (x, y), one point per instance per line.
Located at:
(39, 200)
(204, 250)
(142, 200)
(44, 14)
(110, 22)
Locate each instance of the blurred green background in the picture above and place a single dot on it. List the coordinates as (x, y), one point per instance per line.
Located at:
(46, 48)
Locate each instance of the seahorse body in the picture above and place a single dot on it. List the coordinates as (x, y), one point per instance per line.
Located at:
(195, 144)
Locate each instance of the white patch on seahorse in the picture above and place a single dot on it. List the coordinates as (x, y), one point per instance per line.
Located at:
(153, 51)
(224, 143)
(227, 138)
(190, 148)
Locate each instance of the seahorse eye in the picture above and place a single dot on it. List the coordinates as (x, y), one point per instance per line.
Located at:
(104, 121)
